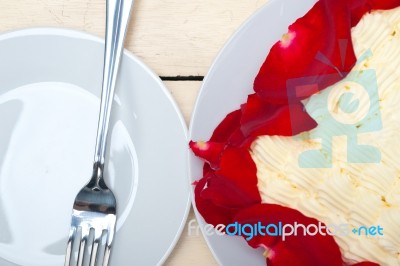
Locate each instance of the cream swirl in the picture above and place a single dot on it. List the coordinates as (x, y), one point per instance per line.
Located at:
(358, 194)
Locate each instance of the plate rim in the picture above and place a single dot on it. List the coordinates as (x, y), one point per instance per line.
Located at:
(209, 76)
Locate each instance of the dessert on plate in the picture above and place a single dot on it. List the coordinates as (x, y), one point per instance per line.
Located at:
(315, 146)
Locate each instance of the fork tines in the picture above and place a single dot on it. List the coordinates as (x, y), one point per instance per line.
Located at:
(89, 243)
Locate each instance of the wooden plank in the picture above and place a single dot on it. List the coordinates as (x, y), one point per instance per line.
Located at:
(185, 94)
(173, 37)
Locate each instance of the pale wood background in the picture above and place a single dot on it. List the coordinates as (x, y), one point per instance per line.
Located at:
(173, 37)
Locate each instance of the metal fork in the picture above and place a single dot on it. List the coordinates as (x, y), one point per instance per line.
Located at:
(95, 206)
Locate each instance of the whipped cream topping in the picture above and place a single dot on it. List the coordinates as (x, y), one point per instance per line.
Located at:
(358, 187)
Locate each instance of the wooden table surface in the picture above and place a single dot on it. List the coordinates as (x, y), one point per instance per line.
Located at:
(178, 39)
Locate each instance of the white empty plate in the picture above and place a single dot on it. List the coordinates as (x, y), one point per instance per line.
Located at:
(50, 84)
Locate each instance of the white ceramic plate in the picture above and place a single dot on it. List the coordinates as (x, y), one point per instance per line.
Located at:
(229, 81)
(50, 84)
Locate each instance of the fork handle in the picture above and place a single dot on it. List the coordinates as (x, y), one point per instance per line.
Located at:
(117, 17)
